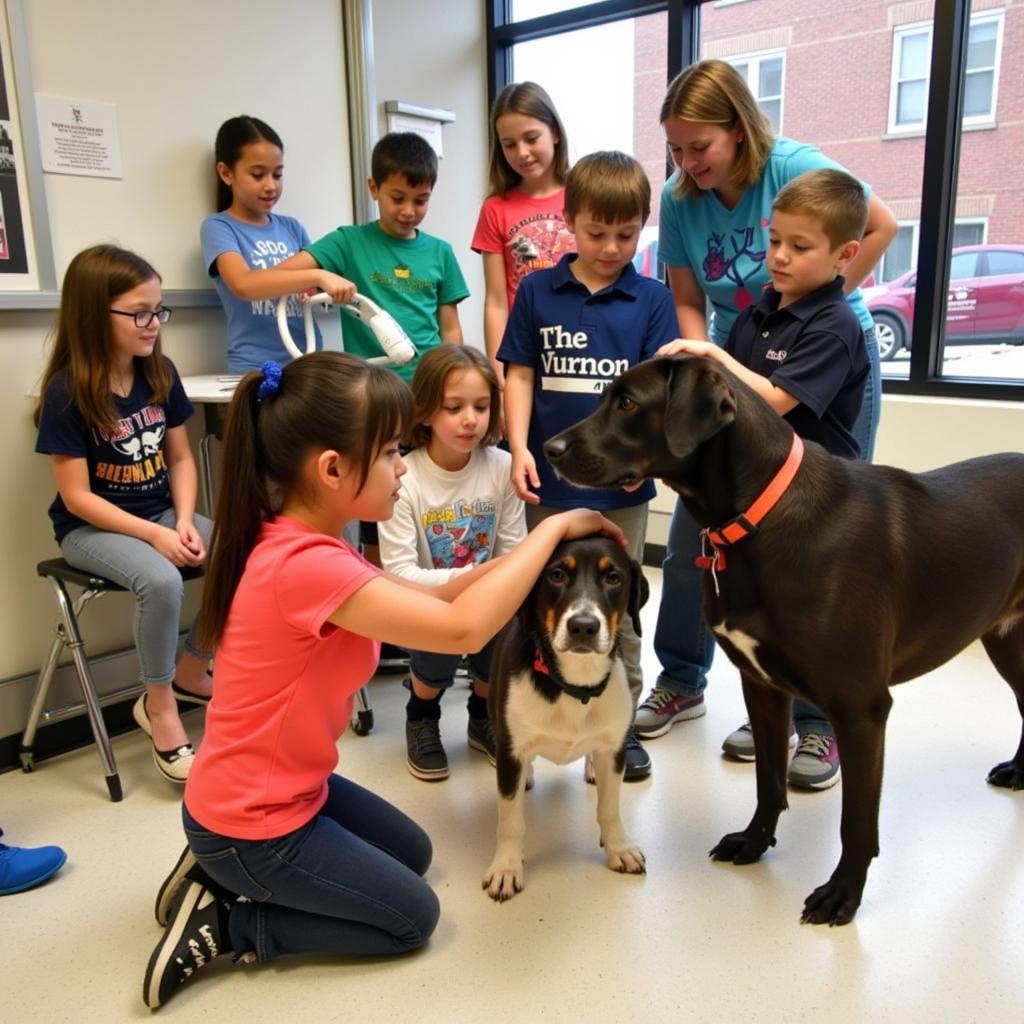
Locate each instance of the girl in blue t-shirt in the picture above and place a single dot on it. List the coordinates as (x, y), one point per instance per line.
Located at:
(244, 242)
(111, 416)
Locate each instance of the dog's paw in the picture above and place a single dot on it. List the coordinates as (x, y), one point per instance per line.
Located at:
(1007, 775)
(833, 903)
(742, 847)
(504, 878)
(627, 859)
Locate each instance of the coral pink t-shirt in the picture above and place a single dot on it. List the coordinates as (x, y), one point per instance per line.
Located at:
(530, 233)
(284, 679)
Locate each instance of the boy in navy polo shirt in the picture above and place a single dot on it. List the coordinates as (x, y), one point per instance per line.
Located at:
(801, 348)
(572, 330)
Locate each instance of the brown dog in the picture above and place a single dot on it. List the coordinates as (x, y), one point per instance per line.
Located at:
(857, 577)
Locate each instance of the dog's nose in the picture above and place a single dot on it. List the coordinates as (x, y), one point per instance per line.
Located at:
(583, 626)
(555, 448)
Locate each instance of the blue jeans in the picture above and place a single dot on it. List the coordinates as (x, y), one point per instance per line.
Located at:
(349, 882)
(683, 642)
(438, 670)
(156, 584)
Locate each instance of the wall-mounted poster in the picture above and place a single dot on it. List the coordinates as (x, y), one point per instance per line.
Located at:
(17, 258)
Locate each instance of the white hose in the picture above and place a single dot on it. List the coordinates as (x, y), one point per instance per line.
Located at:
(395, 342)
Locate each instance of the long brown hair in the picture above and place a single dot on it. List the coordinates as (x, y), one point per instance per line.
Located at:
(530, 100)
(714, 92)
(428, 389)
(326, 401)
(82, 337)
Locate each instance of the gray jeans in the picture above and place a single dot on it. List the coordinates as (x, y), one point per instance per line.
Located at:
(633, 522)
(155, 582)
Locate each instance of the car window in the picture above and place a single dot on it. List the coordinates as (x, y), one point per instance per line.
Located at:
(1004, 261)
(963, 264)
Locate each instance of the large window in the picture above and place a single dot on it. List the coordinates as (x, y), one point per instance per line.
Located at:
(891, 90)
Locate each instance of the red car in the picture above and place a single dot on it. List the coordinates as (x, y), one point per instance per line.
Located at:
(985, 303)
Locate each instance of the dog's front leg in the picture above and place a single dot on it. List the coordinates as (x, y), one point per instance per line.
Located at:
(622, 853)
(770, 712)
(861, 752)
(504, 878)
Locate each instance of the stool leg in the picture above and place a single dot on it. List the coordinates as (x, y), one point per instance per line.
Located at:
(26, 751)
(92, 704)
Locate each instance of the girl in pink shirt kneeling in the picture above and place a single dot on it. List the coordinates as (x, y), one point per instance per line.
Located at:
(284, 855)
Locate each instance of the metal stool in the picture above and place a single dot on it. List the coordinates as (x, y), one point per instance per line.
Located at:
(66, 634)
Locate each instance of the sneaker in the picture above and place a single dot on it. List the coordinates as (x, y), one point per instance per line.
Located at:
(816, 764)
(638, 761)
(740, 742)
(663, 709)
(195, 935)
(425, 754)
(481, 737)
(22, 868)
(186, 867)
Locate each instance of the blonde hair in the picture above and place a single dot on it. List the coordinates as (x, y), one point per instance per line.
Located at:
(428, 382)
(530, 100)
(714, 92)
(611, 185)
(836, 198)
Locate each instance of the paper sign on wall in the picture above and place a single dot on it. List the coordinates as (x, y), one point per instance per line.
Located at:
(78, 137)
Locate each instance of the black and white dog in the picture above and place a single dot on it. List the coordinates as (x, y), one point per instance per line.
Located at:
(559, 690)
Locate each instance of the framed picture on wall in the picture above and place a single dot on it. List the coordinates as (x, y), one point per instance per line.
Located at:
(25, 257)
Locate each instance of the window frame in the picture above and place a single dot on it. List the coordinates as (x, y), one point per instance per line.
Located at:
(942, 130)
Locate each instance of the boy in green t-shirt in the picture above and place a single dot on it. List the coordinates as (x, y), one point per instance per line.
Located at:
(411, 274)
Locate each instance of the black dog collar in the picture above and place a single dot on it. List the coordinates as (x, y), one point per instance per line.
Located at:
(582, 693)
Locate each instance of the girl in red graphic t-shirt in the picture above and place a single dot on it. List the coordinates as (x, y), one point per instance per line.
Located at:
(521, 227)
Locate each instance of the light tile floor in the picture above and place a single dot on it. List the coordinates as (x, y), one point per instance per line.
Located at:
(937, 937)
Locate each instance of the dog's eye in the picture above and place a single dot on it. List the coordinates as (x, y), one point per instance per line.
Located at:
(625, 403)
(558, 575)
(613, 577)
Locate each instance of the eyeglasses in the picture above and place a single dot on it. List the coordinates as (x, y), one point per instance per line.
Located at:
(144, 317)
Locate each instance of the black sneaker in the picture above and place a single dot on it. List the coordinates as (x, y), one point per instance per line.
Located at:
(185, 868)
(481, 737)
(638, 761)
(425, 754)
(195, 935)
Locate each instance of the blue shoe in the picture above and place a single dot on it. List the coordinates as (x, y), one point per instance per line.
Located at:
(22, 869)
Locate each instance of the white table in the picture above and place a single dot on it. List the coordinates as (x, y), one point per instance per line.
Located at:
(209, 390)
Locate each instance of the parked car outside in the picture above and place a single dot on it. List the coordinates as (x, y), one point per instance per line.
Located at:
(985, 302)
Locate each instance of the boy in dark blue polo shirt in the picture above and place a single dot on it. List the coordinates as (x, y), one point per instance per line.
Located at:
(572, 330)
(801, 348)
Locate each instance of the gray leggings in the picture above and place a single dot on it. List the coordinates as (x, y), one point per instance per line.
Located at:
(155, 582)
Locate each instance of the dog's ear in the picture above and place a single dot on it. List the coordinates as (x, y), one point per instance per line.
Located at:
(639, 592)
(699, 402)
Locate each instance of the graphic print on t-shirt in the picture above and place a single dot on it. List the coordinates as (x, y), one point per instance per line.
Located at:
(565, 364)
(723, 257)
(134, 462)
(536, 243)
(460, 533)
(267, 253)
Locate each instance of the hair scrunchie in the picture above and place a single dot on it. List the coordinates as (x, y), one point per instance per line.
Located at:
(271, 380)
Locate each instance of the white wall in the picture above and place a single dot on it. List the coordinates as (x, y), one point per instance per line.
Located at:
(194, 64)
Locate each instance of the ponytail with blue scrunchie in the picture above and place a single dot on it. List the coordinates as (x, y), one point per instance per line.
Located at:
(271, 380)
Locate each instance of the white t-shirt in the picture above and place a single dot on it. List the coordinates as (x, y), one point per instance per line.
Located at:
(445, 523)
